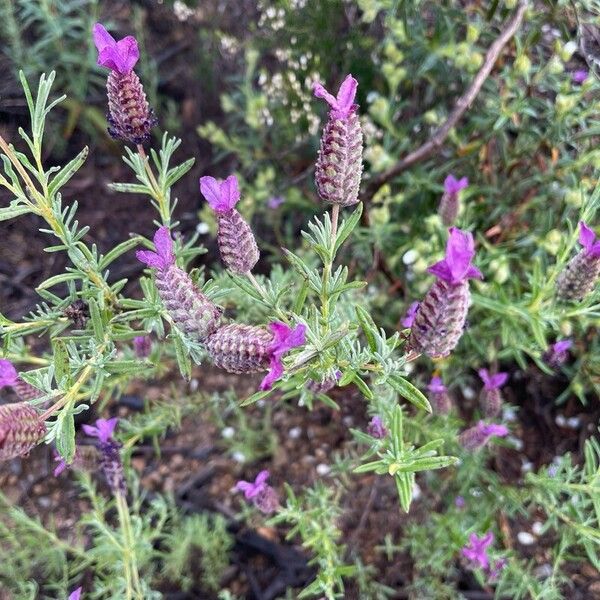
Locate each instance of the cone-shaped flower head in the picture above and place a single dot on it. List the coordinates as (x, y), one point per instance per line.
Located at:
(456, 266)
(192, 312)
(339, 165)
(449, 204)
(557, 354)
(476, 550)
(438, 396)
(492, 382)
(262, 495)
(442, 314)
(491, 397)
(376, 428)
(239, 348)
(110, 457)
(409, 318)
(119, 56)
(130, 118)
(237, 245)
(580, 275)
(20, 430)
(477, 436)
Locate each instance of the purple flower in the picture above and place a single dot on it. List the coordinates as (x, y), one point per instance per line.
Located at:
(103, 430)
(493, 429)
(588, 239)
(561, 346)
(456, 267)
(376, 428)
(61, 466)
(492, 382)
(263, 496)
(579, 76)
(275, 202)
(556, 355)
(476, 550)
(222, 196)
(8, 373)
(343, 104)
(142, 346)
(118, 56)
(436, 385)
(163, 258)
(409, 318)
(453, 186)
(477, 436)
(494, 572)
(284, 339)
(75, 594)
(459, 502)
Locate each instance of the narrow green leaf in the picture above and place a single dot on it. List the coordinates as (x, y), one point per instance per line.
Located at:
(409, 392)
(368, 326)
(347, 227)
(65, 433)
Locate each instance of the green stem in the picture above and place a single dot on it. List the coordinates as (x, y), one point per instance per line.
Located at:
(157, 192)
(134, 588)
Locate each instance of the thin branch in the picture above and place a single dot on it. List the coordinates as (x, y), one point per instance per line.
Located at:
(462, 104)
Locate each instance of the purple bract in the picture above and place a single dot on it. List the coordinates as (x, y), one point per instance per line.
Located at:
(253, 489)
(376, 428)
(436, 385)
(409, 318)
(343, 104)
(222, 196)
(588, 239)
(8, 373)
(476, 550)
(103, 430)
(456, 267)
(284, 339)
(163, 258)
(118, 56)
(492, 382)
(453, 185)
(579, 76)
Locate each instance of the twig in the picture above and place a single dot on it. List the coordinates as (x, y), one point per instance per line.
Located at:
(462, 104)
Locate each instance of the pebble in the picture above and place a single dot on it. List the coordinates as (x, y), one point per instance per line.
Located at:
(416, 491)
(410, 257)
(294, 433)
(323, 469)
(525, 538)
(543, 571)
(348, 421)
(239, 457)
(468, 392)
(193, 384)
(526, 466)
(228, 432)
(537, 527)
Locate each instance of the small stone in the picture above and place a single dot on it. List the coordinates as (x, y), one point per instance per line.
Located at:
(574, 422)
(323, 469)
(543, 571)
(294, 433)
(560, 420)
(228, 433)
(193, 384)
(239, 457)
(525, 538)
(537, 527)
(468, 393)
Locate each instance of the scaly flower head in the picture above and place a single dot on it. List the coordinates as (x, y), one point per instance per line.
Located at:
(436, 386)
(343, 104)
(222, 196)
(8, 373)
(118, 56)
(456, 267)
(409, 318)
(588, 239)
(103, 430)
(284, 339)
(476, 550)
(164, 257)
(492, 382)
(453, 185)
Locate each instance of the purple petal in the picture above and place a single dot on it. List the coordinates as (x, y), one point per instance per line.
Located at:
(261, 478)
(275, 372)
(164, 246)
(61, 466)
(8, 373)
(103, 430)
(284, 338)
(409, 318)
(118, 56)
(149, 258)
(230, 192)
(561, 346)
(320, 92)
(498, 380)
(453, 185)
(494, 429)
(587, 238)
(436, 385)
(91, 430)
(129, 53)
(456, 267)
(75, 594)
(102, 39)
(579, 76)
(346, 95)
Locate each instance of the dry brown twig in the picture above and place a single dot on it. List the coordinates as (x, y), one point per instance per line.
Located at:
(462, 105)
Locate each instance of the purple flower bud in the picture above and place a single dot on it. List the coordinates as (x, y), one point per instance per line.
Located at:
(459, 502)
(110, 457)
(440, 320)
(579, 276)
(477, 436)
(449, 203)
(322, 387)
(275, 202)
(75, 594)
(192, 312)
(491, 397)
(441, 403)
(130, 118)
(239, 348)
(142, 346)
(262, 495)
(409, 318)
(237, 245)
(579, 76)
(339, 164)
(376, 428)
(476, 550)
(557, 354)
